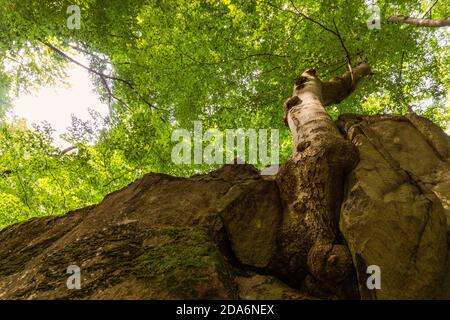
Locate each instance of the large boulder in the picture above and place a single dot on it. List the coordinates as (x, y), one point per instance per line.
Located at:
(159, 238)
(394, 213)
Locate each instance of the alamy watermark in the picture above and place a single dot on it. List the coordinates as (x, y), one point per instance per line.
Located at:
(374, 21)
(74, 20)
(74, 281)
(214, 147)
(374, 280)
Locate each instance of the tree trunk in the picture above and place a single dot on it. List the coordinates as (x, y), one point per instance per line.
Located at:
(432, 23)
(311, 183)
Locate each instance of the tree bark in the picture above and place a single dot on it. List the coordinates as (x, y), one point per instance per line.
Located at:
(311, 183)
(431, 23)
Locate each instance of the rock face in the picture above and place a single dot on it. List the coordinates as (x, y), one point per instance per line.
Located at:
(216, 236)
(394, 214)
(159, 238)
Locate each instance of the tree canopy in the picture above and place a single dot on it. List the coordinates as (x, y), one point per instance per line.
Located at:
(162, 64)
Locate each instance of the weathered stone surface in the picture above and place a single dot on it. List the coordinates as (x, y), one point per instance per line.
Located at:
(435, 144)
(263, 287)
(393, 213)
(252, 224)
(159, 238)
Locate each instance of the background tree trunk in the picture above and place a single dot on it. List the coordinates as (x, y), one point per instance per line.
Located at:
(432, 23)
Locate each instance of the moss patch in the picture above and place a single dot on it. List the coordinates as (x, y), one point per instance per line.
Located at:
(182, 266)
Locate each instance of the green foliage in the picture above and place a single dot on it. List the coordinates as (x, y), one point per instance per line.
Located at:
(36, 179)
(228, 63)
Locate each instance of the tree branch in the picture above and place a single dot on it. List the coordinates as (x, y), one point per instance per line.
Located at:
(429, 9)
(6, 173)
(348, 57)
(334, 32)
(87, 52)
(68, 149)
(298, 12)
(400, 79)
(419, 22)
(102, 75)
(337, 89)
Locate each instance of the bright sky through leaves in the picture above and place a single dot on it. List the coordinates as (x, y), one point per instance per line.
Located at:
(56, 103)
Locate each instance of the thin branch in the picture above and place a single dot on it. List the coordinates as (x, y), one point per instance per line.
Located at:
(156, 108)
(429, 9)
(61, 189)
(401, 66)
(6, 173)
(341, 40)
(260, 54)
(348, 57)
(25, 193)
(152, 106)
(297, 11)
(102, 75)
(337, 68)
(86, 52)
(121, 176)
(110, 94)
(400, 79)
(334, 32)
(16, 170)
(270, 70)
